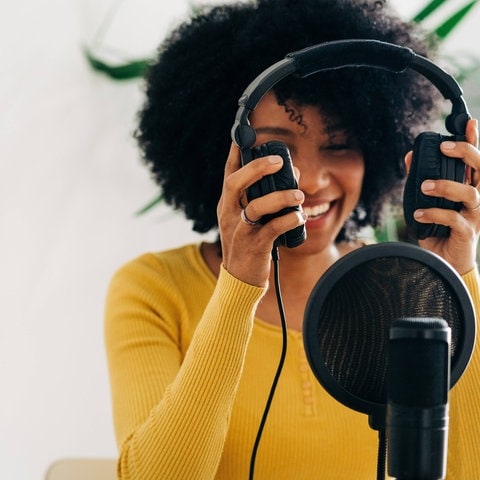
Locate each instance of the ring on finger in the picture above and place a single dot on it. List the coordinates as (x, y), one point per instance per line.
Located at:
(245, 219)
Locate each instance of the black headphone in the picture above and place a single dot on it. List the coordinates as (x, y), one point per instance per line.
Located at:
(427, 162)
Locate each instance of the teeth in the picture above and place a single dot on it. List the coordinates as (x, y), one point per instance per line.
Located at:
(317, 210)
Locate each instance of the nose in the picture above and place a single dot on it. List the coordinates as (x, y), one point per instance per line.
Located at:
(314, 175)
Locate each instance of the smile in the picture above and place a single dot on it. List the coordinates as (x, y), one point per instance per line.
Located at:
(317, 211)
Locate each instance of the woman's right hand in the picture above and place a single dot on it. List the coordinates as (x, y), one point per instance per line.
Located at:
(247, 248)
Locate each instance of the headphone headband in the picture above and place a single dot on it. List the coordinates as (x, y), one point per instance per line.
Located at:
(344, 53)
(348, 53)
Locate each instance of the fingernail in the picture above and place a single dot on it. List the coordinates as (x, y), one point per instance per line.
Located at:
(418, 213)
(275, 159)
(298, 195)
(448, 145)
(428, 185)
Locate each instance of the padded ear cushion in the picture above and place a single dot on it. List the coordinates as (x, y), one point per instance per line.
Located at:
(284, 179)
(266, 184)
(429, 163)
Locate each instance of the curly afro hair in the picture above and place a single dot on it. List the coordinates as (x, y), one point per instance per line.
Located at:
(205, 64)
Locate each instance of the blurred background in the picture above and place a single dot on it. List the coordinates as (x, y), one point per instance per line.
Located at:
(71, 183)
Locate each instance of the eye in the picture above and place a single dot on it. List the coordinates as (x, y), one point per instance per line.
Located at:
(338, 146)
(342, 146)
(341, 142)
(339, 149)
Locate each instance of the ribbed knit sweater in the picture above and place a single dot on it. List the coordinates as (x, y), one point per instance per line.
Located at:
(191, 368)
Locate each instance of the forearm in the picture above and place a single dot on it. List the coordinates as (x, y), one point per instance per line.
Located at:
(184, 434)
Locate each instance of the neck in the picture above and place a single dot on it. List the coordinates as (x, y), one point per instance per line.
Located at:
(299, 271)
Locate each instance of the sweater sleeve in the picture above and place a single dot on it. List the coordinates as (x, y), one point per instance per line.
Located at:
(464, 430)
(171, 413)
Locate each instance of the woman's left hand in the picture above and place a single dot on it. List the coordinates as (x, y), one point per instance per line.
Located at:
(460, 248)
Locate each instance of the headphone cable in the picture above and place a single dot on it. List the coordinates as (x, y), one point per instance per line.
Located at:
(275, 258)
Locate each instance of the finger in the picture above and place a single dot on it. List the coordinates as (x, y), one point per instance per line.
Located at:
(441, 216)
(473, 203)
(246, 219)
(471, 132)
(453, 191)
(233, 162)
(258, 168)
(280, 225)
(408, 161)
(238, 181)
(462, 150)
(275, 227)
(273, 202)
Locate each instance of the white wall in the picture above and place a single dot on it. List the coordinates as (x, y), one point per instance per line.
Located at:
(70, 182)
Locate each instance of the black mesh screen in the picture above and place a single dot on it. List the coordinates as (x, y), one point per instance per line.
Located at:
(360, 309)
(350, 311)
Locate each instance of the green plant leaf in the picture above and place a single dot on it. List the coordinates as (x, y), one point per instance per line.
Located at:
(122, 71)
(446, 27)
(150, 205)
(427, 10)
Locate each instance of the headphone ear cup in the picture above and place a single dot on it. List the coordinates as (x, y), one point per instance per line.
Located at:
(457, 123)
(429, 163)
(284, 179)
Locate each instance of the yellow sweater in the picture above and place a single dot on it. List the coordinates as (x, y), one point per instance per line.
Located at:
(191, 369)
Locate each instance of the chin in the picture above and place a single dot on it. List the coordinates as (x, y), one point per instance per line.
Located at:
(316, 243)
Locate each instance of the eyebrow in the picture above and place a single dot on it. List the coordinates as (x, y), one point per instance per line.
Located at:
(329, 130)
(335, 128)
(274, 131)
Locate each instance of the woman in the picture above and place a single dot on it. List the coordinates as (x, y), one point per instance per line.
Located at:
(192, 334)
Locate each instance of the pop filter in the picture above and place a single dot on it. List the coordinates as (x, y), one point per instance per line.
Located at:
(351, 308)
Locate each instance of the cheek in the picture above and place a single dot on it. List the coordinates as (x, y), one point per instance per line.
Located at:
(352, 174)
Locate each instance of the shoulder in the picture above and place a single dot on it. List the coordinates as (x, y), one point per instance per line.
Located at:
(173, 274)
(177, 262)
(167, 289)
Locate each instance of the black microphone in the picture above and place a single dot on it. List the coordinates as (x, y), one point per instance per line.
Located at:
(418, 384)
